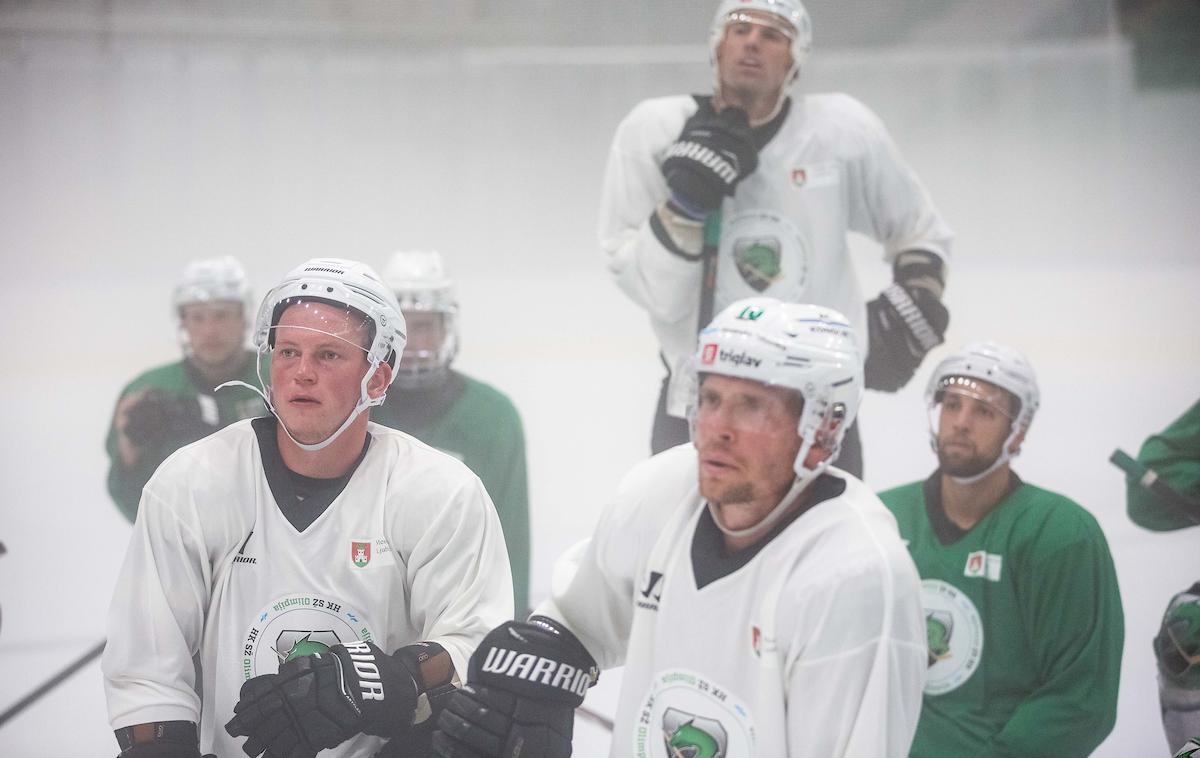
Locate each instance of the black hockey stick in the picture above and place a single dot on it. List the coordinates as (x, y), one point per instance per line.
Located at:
(51, 683)
(708, 268)
(595, 717)
(1148, 479)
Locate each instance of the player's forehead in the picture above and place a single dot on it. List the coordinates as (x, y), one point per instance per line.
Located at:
(211, 308)
(981, 390)
(731, 387)
(308, 321)
(760, 18)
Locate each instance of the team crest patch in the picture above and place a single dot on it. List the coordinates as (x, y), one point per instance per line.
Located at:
(686, 734)
(983, 564)
(799, 177)
(954, 631)
(296, 625)
(360, 553)
(759, 261)
(761, 253)
(685, 713)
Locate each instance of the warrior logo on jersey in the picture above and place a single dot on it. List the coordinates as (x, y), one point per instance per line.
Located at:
(690, 736)
(684, 713)
(955, 636)
(360, 553)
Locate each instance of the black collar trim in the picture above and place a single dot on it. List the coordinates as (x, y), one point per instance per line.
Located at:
(711, 561)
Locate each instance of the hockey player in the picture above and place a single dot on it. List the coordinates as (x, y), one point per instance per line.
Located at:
(760, 599)
(1173, 456)
(306, 580)
(472, 421)
(167, 407)
(784, 179)
(1025, 627)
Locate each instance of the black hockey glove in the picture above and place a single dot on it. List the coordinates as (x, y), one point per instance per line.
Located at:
(904, 323)
(319, 701)
(714, 152)
(525, 681)
(161, 417)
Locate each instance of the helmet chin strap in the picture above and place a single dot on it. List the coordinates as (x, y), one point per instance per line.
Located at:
(364, 402)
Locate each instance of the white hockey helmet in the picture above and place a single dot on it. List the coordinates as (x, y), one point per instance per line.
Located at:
(807, 348)
(995, 364)
(210, 280)
(344, 283)
(796, 25)
(421, 285)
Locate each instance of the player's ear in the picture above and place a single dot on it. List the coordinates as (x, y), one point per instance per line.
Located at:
(380, 380)
(1015, 446)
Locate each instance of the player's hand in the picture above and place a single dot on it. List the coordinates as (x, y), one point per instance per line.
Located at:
(319, 701)
(713, 153)
(159, 418)
(508, 708)
(903, 324)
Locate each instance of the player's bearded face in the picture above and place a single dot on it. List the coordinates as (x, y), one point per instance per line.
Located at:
(317, 366)
(747, 444)
(972, 428)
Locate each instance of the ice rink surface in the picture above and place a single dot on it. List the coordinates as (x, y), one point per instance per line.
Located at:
(1072, 192)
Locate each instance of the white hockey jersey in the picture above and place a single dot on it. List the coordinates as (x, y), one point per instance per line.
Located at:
(410, 550)
(815, 646)
(831, 168)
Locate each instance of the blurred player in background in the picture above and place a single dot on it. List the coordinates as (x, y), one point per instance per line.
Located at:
(455, 413)
(760, 600)
(170, 406)
(1173, 456)
(1023, 612)
(307, 580)
(785, 178)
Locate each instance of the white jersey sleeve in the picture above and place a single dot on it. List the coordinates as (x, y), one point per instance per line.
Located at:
(663, 283)
(595, 592)
(856, 650)
(161, 600)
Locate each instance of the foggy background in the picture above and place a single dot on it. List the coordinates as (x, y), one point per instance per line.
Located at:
(1057, 137)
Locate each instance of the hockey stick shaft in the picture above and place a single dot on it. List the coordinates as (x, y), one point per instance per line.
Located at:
(595, 717)
(1148, 479)
(51, 683)
(708, 271)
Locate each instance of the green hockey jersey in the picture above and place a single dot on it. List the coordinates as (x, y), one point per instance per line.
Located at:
(213, 411)
(479, 425)
(1024, 624)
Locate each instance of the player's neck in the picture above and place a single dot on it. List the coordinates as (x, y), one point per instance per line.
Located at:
(966, 504)
(759, 110)
(734, 543)
(328, 462)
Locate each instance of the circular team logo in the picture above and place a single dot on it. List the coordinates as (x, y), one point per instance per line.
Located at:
(955, 633)
(762, 253)
(686, 715)
(296, 625)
